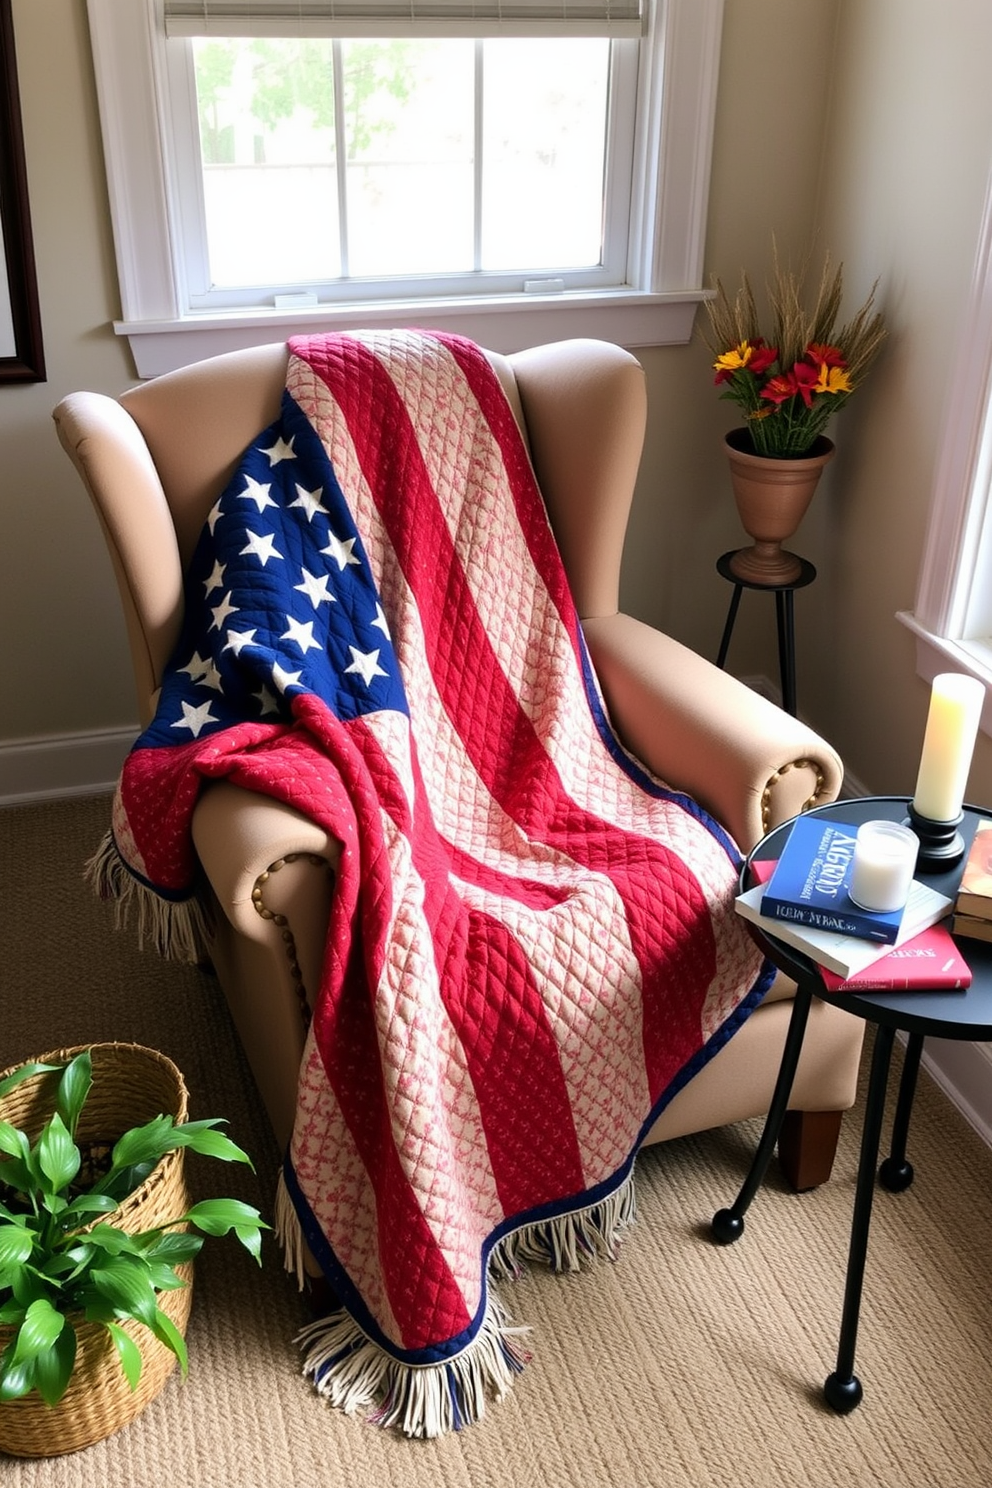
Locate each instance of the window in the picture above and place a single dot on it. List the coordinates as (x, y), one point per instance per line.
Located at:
(282, 165)
(449, 164)
(952, 618)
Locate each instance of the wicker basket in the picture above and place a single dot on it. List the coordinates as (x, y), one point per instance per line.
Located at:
(131, 1085)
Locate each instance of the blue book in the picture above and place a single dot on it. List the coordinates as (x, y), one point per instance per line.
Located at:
(811, 881)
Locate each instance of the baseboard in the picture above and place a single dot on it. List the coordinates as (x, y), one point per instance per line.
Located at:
(70, 765)
(964, 1073)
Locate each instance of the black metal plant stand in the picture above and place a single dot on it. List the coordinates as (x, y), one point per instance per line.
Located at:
(784, 615)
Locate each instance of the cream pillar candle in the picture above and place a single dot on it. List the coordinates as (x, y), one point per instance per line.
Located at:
(948, 744)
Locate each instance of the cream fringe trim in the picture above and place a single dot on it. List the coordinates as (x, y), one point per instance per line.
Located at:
(354, 1374)
(180, 931)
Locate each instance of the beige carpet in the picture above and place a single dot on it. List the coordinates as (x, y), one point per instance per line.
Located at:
(681, 1364)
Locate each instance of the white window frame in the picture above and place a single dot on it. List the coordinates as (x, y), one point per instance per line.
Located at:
(952, 613)
(677, 86)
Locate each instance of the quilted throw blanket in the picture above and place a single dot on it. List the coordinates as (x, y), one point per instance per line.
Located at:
(532, 945)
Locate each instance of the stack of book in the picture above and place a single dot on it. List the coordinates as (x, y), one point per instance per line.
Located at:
(973, 905)
(803, 899)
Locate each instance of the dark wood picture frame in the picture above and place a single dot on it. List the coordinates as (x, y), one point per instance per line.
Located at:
(22, 356)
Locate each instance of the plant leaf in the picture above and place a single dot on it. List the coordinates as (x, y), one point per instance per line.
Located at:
(41, 1327)
(90, 1203)
(166, 1332)
(129, 1352)
(58, 1155)
(115, 1242)
(174, 1249)
(146, 1143)
(15, 1379)
(124, 1282)
(13, 1141)
(120, 1182)
(25, 1072)
(217, 1216)
(53, 1368)
(16, 1245)
(27, 1287)
(18, 1175)
(201, 1137)
(163, 1278)
(251, 1238)
(74, 1087)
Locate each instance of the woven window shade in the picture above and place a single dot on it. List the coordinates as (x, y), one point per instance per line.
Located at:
(403, 17)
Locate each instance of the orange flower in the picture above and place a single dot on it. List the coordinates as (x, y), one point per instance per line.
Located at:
(832, 380)
(733, 361)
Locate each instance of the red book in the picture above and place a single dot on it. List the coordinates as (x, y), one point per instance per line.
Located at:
(930, 961)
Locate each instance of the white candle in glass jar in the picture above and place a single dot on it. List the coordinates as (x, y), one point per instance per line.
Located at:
(948, 744)
(883, 867)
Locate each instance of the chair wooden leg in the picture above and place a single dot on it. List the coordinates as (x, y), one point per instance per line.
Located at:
(806, 1147)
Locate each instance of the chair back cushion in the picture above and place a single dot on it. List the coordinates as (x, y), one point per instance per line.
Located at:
(157, 459)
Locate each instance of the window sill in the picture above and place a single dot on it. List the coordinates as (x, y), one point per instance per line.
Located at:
(627, 317)
(936, 653)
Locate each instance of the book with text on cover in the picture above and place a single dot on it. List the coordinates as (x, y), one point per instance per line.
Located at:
(845, 955)
(930, 962)
(810, 884)
(975, 891)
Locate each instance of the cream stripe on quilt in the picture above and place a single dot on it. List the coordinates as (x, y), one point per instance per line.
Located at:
(320, 1130)
(443, 1141)
(459, 798)
(487, 533)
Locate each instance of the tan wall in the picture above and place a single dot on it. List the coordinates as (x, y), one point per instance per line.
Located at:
(64, 666)
(775, 67)
(909, 149)
(849, 111)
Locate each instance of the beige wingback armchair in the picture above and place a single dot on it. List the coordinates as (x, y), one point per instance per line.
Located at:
(156, 459)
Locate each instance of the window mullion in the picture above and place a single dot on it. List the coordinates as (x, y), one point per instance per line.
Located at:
(478, 163)
(341, 156)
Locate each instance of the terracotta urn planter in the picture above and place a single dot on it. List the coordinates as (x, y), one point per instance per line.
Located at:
(772, 496)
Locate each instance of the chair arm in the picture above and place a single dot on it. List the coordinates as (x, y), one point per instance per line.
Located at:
(241, 838)
(700, 730)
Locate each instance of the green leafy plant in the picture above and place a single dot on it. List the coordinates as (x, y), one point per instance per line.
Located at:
(62, 1261)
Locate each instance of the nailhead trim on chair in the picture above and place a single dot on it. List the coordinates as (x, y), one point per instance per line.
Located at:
(282, 922)
(766, 797)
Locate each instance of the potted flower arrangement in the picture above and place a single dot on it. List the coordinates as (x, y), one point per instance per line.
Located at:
(97, 1240)
(789, 385)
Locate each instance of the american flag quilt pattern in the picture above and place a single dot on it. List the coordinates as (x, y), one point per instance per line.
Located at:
(532, 943)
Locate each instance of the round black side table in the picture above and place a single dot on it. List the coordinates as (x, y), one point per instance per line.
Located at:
(964, 1014)
(784, 615)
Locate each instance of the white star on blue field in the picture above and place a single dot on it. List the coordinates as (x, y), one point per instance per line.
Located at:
(279, 600)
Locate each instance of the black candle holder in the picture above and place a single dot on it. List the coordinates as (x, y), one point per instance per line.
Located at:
(941, 844)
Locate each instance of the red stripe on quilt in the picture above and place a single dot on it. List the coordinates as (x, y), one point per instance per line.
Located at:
(511, 1053)
(503, 745)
